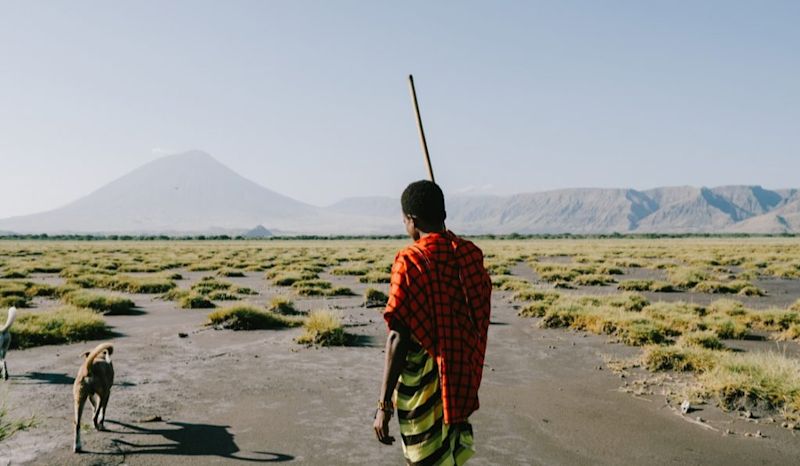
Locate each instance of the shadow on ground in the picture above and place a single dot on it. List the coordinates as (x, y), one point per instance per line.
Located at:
(181, 438)
(52, 378)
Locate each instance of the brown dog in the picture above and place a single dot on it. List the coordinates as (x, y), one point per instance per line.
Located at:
(94, 381)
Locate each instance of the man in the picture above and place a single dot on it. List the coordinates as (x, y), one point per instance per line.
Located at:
(438, 319)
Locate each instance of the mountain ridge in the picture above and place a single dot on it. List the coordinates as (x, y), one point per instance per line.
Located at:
(193, 193)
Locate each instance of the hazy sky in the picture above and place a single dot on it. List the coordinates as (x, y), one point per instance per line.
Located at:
(310, 99)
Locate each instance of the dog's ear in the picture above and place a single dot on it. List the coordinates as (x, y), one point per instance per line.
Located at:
(85, 355)
(110, 350)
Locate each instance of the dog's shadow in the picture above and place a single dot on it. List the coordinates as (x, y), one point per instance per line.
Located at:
(189, 440)
(54, 378)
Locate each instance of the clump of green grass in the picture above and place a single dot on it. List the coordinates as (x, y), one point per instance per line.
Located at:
(729, 307)
(247, 317)
(227, 272)
(631, 302)
(687, 277)
(322, 284)
(593, 279)
(646, 285)
(742, 379)
(791, 333)
(536, 295)
(319, 288)
(795, 306)
(375, 276)
(67, 324)
(351, 270)
(340, 291)
(14, 274)
(635, 285)
(563, 275)
(740, 287)
(219, 290)
(679, 358)
(511, 283)
(128, 284)
(286, 279)
(175, 294)
(375, 298)
(245, 290)
(774, 320)
(222, 295)
(609, 270)
(640, 332)
(15, 301)
(726, 327)
(324, 328)
(100, 302)
(9, 427)
(538, 302)
(283, 305)
(703, 338)
(209, 284)
(595, 316)
(195, 301)
(19, 294)
(203, 267)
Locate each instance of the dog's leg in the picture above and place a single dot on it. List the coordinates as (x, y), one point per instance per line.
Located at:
(94, 399)
(80, 400)
(103, 406)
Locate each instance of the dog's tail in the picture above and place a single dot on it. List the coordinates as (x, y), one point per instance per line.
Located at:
(107, 348)
(12, 314)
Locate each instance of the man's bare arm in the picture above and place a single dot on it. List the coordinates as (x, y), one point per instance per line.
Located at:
(396, 351)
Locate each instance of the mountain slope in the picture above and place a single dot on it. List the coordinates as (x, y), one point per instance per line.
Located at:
(589, 210)
(183, 192)
(194, 193)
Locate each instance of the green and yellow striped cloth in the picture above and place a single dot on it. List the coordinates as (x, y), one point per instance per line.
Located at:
(427, 440)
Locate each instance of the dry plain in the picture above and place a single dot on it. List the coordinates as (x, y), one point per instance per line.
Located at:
(593, 345)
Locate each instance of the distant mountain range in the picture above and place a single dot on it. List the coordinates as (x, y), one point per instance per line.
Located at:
(192, 193)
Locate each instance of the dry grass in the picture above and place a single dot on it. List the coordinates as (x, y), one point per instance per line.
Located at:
(324, 328)
(100, 302)
(703, 338)
(283, 305)
(740, 380)
(247, 317)
(9, 427)
(195, 301)
(679, 358)
(375, 298)
(646, 285)
(67, 324)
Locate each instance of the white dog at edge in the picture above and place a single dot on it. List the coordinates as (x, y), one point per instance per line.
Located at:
(5, 341)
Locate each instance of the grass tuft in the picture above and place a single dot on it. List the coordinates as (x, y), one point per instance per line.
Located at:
(324, 328)
(375, 298)
(67, 324)
(195, 301)
(283, 305)
(247, 317)
(105, 303)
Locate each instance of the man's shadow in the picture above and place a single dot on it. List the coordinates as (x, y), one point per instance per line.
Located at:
(190, 440)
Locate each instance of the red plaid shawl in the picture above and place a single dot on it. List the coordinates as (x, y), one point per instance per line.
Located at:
(430, 280)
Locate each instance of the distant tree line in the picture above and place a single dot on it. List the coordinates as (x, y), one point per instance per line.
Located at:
(511, 236)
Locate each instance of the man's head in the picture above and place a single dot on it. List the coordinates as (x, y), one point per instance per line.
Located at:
(423, 208)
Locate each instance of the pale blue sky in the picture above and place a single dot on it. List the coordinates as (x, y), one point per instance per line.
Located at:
(310, 99)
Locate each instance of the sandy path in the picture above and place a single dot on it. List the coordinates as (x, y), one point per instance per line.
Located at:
(241, 397)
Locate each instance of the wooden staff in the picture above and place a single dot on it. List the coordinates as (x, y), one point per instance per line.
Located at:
(422, 140)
